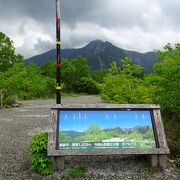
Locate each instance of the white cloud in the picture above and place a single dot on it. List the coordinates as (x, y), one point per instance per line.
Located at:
(81, 34)
(26, 33)
(30, 37)
(135, 38)
(142, 25)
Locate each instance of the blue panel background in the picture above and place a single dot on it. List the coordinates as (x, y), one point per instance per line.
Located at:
(79, 120)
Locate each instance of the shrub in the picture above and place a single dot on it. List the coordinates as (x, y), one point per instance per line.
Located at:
(75, 172)
(177, 161)
(78, 171)
(39, 161)
(86, 85)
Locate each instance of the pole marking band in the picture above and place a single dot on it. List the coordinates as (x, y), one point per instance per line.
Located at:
(58, 65)
(57, 19)
(58, 87)
(58, 42)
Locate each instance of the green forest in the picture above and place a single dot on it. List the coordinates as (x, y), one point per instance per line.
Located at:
(95, 134)
(119, 84)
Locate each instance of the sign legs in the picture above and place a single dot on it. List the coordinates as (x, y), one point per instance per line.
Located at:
(158, 160)
(58, 162)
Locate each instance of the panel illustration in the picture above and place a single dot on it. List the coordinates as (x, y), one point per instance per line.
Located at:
(105, 129)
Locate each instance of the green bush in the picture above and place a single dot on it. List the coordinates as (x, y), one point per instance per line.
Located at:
(39, 161)
(177, 161)
(7, 100)
(86, 85)
(78, 171)
(75, 172)
(125, 85)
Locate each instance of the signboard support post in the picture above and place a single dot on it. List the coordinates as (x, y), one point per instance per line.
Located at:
(154, 160)
(163, 161)
(58, 162)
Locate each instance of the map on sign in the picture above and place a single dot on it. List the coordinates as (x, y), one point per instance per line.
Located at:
(105, 129)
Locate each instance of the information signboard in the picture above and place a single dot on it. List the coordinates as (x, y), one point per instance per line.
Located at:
(102, 129)
(105, 129)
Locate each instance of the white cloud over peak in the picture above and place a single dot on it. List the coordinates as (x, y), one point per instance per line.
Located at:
(141, 25)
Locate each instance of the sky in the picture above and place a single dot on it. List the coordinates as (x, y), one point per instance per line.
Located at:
(140, 25)
(81, 120)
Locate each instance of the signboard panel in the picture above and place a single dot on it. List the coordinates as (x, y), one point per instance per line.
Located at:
(105, 129)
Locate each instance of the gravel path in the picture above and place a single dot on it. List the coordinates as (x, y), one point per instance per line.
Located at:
(17, 125)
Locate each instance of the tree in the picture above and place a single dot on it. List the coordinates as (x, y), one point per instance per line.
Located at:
(48, 69)
(12, 82)
(25, 82)
(93, 129)
(73, 71)
(68, 75)
(8, 56)
(81, 68)
(168, 85)
(98, 75)
(125, 85)
(38, 85)
(167, 94)
(86, 85)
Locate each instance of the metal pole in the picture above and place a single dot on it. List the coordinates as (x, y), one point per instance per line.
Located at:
(58, 54)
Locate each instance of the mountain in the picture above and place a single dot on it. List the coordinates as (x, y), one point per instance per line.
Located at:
(99, 55)
(72, 133)
(140, 129)
(116, 129)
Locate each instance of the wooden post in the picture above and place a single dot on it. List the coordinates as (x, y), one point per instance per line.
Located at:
(52, 159)
(59, 162)
(163, 161)
(154, 160)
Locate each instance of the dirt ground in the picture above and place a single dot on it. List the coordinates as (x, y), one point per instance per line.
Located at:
(17, 125)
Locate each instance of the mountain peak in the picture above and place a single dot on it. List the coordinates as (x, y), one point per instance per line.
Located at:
(98, 42)
(96, 46)
(99, 55)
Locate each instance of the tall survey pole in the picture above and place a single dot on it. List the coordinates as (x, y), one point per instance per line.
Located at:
(58, 54)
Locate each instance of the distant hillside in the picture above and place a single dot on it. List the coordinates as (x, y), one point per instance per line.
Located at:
(99, 55)
(140, 129)
(72, 133)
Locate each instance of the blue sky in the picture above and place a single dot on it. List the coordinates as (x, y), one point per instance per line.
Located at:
(80, 120)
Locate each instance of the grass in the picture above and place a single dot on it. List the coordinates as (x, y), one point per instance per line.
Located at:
(76, 172)
(177, 161)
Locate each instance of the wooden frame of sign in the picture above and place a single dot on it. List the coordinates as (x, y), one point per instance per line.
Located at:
(158, 154)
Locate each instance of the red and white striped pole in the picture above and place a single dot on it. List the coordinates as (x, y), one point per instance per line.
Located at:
(58, 54)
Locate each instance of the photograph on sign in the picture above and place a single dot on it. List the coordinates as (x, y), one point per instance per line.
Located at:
(105, 129)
